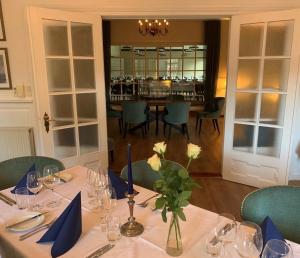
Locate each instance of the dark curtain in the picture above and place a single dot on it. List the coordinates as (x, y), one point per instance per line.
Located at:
(212, 31)
(106, 54)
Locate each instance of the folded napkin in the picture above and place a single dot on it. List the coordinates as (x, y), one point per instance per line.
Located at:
(66, 230)
(270, 231)
(118, 184)
(23, 181)
(66, 177)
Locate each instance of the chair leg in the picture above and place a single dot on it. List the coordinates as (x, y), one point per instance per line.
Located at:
(182, 129)
(165, 125)
(197, 120)
(200, 126)
(217, 125)
(143, 134)
(120, 125)
(213, 121)
(170, 128)
(112, 156)
(186, 131)
(125, 130)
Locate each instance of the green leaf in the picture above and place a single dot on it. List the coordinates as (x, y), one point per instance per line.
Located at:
(183, 173)
(181, 214)
(164, 214)
(185, 195)
(160, 202)
(183, 203)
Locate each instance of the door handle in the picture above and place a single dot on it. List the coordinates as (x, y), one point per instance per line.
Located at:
(47, 121)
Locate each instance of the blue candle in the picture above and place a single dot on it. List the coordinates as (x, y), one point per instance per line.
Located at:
(130, 182)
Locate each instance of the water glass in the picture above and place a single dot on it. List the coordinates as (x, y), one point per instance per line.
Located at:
(22, 200)
(34, 184)
(109, 199)
(212, 245)
(249, 240)
(113, 228)
(277, 249)
(50, 181)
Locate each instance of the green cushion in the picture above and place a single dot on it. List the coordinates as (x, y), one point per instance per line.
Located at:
(143, 175)
(134, 112)
(12, 170)
(177, 112)
(280, 203)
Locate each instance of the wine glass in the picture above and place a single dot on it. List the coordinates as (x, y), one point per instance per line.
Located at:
(225, 231)
(277, 249)
(34, 184)
(50, 180)
(249, 241)
(109, 199)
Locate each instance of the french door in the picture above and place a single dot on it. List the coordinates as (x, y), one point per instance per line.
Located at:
(261, 86)
(69, 82)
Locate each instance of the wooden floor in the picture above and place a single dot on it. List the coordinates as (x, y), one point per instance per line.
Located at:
(216, 194)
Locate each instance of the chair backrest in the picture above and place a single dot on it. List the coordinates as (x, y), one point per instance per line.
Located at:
(177, 112)
(176, 97)
(134, 111)
(280, 203)
(143, 175)
(12, 170)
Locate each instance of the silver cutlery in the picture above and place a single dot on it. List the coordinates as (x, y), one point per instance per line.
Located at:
(12, 201)
(145, 203)
(37, 229)
(26, 220)
(6, 201)
(226, 229)
(101, 251)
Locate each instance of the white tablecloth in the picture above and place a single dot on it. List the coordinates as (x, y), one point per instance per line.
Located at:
(150, 244)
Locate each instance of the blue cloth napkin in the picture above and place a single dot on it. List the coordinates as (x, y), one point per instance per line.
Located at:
(66, 230)
(118, 184)
(23, 181)
(270, 231)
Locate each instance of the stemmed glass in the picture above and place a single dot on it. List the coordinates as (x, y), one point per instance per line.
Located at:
(109, 199)
(225, 231)
(277, 249)
(249, 241)
(34, 184)
(50, 181)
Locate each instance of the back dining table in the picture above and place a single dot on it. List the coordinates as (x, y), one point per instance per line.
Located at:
(151, 243)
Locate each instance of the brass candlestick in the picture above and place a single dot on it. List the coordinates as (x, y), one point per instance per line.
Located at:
(131, 228)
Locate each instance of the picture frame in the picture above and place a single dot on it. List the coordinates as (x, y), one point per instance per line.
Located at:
(2, 28)
(5, 78)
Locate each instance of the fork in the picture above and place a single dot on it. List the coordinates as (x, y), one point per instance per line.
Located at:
(144, 204)
(37, 229)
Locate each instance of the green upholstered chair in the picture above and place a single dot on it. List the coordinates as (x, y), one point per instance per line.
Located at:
(177, 114)
(135, 113)
(110, 113)
(280, 203)
(143, 175)
(214, 115)
(12, 170)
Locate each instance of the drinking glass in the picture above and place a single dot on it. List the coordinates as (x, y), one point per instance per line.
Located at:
(249, 241)
(21, 195)
(113, 228)
(213, 245)
(225, 231)
(50, 181)
(277, 249)
(109, 198)
(34, 184)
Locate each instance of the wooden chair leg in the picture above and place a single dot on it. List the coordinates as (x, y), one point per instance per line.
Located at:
(187, 131)
(182, 129)
(165, 125)
(120, 126)
(217, 125)
(142, 128)
(197, 121)
(170, 128)
(200, 126)
(213, 121)
(125, 130)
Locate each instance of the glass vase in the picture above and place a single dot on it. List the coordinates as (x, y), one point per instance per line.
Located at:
(174, 243)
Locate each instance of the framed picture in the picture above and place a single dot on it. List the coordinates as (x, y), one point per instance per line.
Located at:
(2, 29)
(5, 79)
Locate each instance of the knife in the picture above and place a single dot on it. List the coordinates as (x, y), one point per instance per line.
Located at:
(101, 251)
(12, 201)
(226, 228)
(6, 201)
(26, 220)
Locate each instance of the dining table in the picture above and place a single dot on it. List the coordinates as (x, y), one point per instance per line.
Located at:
(151, 243)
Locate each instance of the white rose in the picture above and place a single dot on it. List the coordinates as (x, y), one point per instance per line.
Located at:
(160, 147)
(154, 162)
(193, 151)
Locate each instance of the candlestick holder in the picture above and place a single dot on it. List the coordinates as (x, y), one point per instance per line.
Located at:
(131, 228)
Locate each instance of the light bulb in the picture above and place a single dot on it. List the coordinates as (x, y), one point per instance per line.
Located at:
(165, 20)
(146, 20)
(156, 21)
(149, 23)
(167, 23)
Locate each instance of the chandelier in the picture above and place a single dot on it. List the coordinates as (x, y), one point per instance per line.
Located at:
(153, 27)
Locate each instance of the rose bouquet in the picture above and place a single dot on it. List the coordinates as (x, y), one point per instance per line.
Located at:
(175, 186)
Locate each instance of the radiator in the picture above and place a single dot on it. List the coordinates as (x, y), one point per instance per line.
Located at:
(16, 142)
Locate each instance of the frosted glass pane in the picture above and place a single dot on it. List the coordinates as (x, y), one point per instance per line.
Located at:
(164, 74)
(251, 36)
(116, 74)
(279, 38)
(189, 51)
(189, 75)
(115, 51)
(272, 109)
(58, 75)
(176, 75)
(139, 52)
(115, 64)
(176, 64)
(269, 141)
(189, 64)
(245, 107)
(64, 143)
(151, 64)
(151, 75)
(55, 38)
(164, 52)
(139, 64)
(62, 110)
(176, 52)
(86, 107)
(164, 64)
(276, 73)
(84, 74)
(151, 52)
(243, 137)
(200, 64)
(199, 75)
(82, 39)
(247, 74)
(88, 139)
